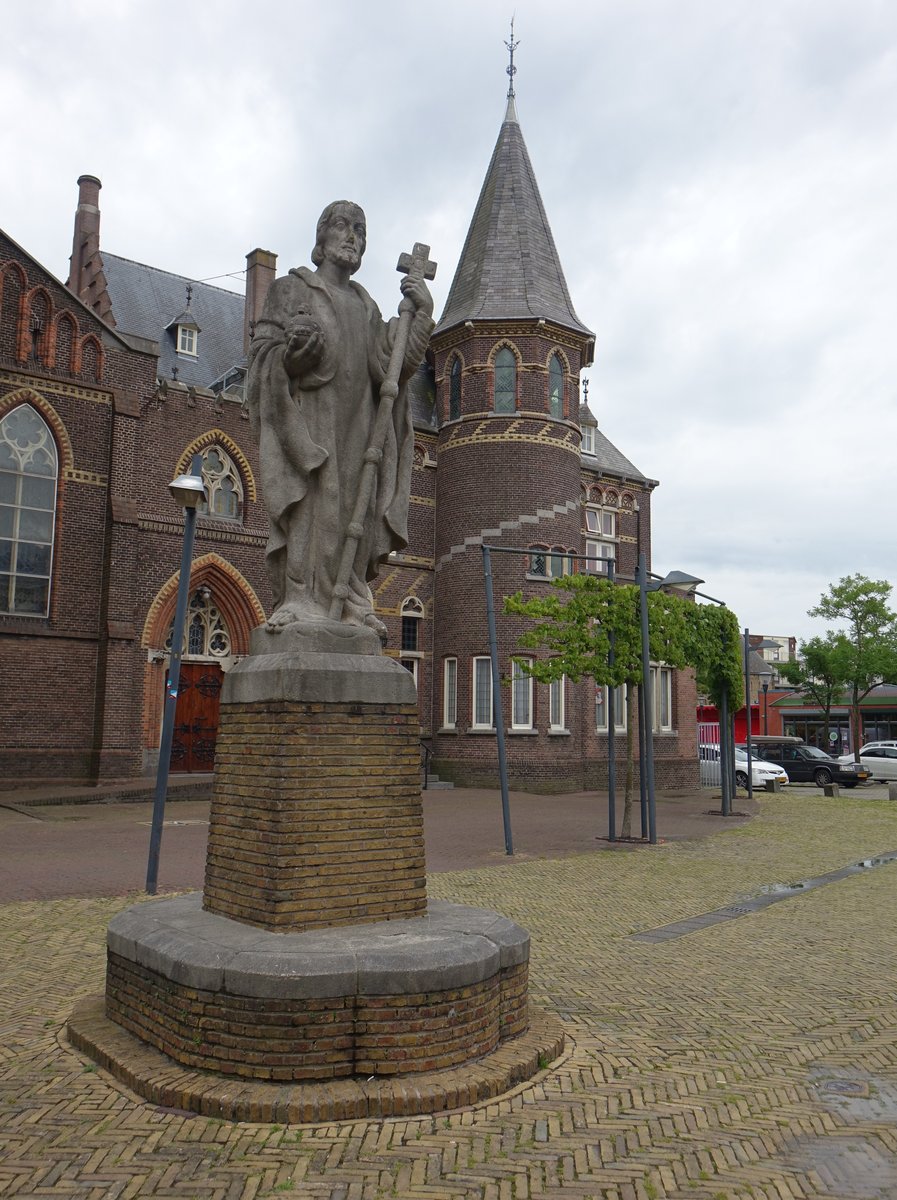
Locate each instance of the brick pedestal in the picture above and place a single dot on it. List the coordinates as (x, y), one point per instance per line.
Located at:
(312, 958)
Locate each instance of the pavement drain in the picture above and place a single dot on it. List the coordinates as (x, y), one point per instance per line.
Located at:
(770, 893)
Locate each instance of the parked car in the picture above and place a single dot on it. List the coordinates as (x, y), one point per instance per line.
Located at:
(760, 771)
(808, 764)
(879, 759)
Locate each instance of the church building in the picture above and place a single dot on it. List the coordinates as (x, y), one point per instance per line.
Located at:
(112, 383)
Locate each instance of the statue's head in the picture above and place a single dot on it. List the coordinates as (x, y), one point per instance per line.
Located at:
(341, 235)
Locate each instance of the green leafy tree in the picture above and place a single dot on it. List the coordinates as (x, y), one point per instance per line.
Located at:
(868, 634)
(820, 673)
(576, 621)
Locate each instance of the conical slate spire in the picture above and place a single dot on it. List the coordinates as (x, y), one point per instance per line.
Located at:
(509, 267)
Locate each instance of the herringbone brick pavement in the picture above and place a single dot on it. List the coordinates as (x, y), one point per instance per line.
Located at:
(753, 1058)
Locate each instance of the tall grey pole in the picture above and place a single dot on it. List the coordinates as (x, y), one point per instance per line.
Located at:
(648, 700)
(171, 700)
(498, 714)
(611, 730)
(747, 712)
(725, 755)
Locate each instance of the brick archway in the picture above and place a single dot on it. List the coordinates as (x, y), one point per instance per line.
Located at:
(240, 608)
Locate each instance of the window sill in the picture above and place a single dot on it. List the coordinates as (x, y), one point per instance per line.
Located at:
(449, 730)
(559, 733)
(479, 730)
(522, 733)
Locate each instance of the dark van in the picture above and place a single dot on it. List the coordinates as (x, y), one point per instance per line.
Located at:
(807, 764)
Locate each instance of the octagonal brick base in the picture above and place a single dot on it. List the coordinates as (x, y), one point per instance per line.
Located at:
(386, 999)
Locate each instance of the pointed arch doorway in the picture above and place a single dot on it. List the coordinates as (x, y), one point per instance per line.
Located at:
(207, 643)
(222, 611)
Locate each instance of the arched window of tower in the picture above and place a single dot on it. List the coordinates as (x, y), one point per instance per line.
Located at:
(556, 387)
(505, 396)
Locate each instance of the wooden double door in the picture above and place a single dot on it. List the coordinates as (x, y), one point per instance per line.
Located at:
(196, 717)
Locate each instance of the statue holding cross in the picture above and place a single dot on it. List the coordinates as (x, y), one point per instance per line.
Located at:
(326, 395)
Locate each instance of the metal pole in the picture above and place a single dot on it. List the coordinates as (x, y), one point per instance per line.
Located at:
(611, 729)
(725, 757)
(642, 765)
(498, 714)
(648, 699)
(747, 710)
(171, 699)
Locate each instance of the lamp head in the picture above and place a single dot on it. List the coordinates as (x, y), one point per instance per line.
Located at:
(188, 490)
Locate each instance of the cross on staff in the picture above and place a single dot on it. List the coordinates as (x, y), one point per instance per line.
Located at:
(416, 265)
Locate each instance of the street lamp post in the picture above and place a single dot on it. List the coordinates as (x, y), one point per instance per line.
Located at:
(676, 581)
(187, 490)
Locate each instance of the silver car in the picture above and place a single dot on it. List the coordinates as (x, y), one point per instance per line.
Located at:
(879, 759)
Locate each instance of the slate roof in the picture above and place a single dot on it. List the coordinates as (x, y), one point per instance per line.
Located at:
(608, 460)
(146, 301)
(509, 267)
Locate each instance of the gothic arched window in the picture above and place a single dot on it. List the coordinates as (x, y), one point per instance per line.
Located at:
(28, 472)
(206, 634)
(223, 484)
(505, 400)
(455, 390)
(555, 387)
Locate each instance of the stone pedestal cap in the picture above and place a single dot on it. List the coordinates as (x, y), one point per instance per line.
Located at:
(314, 677)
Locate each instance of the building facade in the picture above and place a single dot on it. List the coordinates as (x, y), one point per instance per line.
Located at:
(124, 375)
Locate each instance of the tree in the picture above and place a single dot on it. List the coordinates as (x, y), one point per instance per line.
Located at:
(578, 618)
(820, 673)
(868, 641)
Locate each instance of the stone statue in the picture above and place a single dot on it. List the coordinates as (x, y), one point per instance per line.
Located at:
(326, 395)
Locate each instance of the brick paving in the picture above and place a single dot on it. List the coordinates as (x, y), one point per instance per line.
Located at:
(754, 1057)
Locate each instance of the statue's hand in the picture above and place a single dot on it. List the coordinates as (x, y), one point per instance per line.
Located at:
(305, 345)
(418, 293)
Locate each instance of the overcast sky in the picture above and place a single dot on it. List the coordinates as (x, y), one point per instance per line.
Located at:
(720, 177)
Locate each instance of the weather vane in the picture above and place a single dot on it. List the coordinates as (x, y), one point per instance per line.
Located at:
(512, 70)
(585, 390)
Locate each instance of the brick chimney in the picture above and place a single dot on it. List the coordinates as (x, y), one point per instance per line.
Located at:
(261, 268)
(86, 277)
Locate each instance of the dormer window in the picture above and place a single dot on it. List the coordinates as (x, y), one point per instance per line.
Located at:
(185, 329)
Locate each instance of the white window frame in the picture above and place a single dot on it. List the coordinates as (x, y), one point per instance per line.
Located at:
(597, 554)
(522, 696)
(557, 704)
(602, 710)
(187, 340)
(450, 693)
(587, 445)
(411, 666)
(481, 665)
(662, 693)
(602, 522)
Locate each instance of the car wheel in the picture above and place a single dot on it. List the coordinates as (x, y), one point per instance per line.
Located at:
(822, 777)
(741, 778)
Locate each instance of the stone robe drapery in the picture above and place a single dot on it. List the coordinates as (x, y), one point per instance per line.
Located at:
(313, 430)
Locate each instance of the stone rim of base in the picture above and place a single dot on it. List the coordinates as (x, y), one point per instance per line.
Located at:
(159, 1080)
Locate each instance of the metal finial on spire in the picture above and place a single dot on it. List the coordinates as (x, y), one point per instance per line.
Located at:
(511, 69)
(189, 293)
(585, 390)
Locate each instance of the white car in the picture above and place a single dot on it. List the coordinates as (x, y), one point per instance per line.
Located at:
(879, 759)
(761, 771)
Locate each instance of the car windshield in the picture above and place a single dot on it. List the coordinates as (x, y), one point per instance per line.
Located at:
(815, 752)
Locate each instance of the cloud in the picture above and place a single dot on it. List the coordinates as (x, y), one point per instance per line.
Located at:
(719, 179)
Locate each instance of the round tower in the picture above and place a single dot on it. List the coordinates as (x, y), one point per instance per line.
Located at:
(507, 351)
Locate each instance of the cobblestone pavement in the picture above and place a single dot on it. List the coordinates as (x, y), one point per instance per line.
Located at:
(751, 1057)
